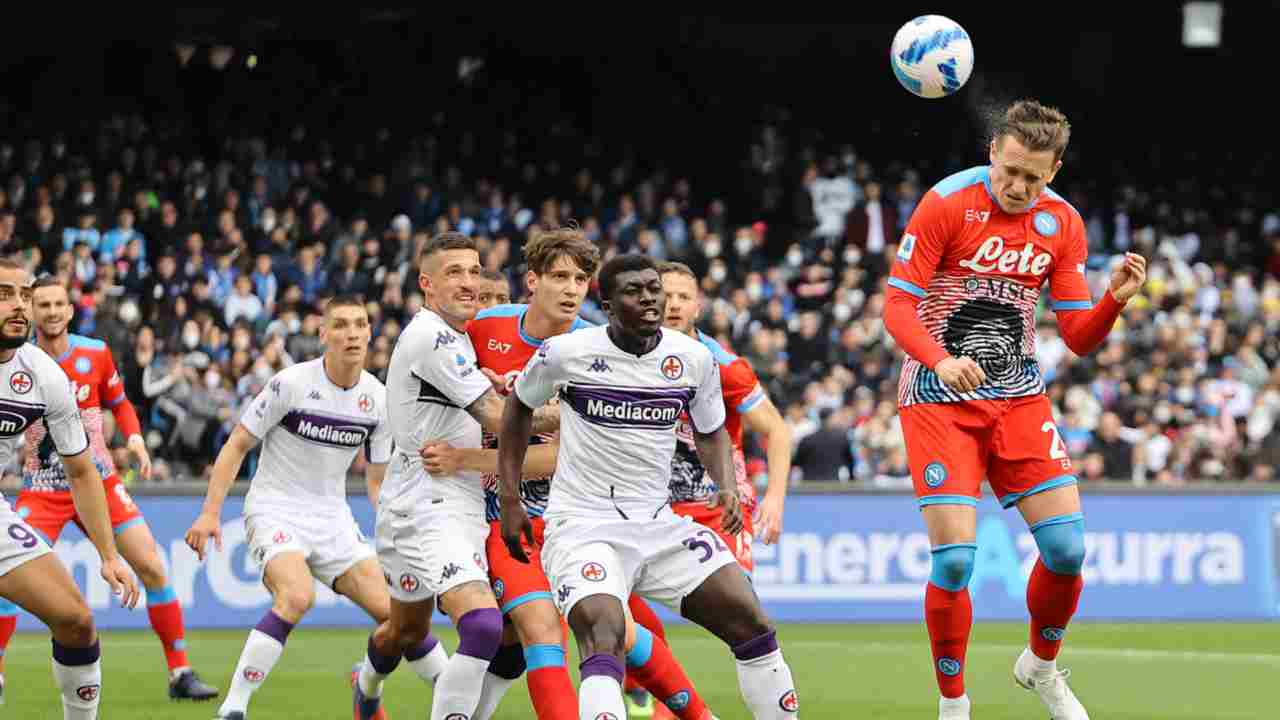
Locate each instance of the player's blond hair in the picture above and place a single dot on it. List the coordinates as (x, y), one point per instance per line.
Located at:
(1036, 127)
(549, 246)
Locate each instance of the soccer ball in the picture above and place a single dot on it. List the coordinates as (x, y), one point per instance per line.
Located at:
(932, 56)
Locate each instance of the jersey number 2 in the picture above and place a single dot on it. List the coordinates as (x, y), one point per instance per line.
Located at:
(1057, 449)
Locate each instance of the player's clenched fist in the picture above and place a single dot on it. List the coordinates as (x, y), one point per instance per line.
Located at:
(1127, 278)
(960, 374)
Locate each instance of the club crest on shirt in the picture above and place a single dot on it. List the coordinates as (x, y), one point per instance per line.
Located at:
(672, 367)
(365, 403)
(20, 382)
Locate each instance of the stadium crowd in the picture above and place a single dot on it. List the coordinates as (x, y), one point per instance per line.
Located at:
(206, 274)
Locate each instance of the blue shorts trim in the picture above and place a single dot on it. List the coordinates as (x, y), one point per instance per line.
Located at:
(128, 524)
(948, 500)
(525, 598)
(1061, 481)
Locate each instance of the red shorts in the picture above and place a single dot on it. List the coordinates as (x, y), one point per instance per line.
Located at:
(516, 583)
(1014, 444)
(710, 518)
(49, 512)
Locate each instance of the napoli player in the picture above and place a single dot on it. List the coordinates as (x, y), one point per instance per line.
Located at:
(961, 303)
(609, 528)
(562, 263)
(495, 289)
(33, 389)
(746, 404)
(312, 419)
(45, 501)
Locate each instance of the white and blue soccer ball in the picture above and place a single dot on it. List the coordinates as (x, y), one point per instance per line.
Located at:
(932, 56)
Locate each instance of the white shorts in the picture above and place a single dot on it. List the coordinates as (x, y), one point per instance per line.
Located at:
(662, 559)
(435, 548)
(19, 542)
(330, 545)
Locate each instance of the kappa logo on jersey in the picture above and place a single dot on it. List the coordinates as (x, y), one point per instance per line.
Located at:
(365, 403)
(672, 367)
(314, 395)
(991, 256)
(594, 572)
(20, 382)
(88, 693)
(972, 215)
(906, 247)
(599, 366)
(409, 582)
(444, 338)
(281, 537)
(449, 571)
(562, 595)
(501, 347)
(789, 702)
(275, 386)
(253, 674)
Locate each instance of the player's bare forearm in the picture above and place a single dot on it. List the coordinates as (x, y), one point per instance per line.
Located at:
(539, 461)
(546, 419)
(764, 419)
(374, 474)
(90, 499)
(513, 445)
(715, 450)
(226, 467)
(487, 410)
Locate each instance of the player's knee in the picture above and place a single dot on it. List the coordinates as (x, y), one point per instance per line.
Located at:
(76, 628)
(294, 602)
(480, 632)
(508, 663)
(151, 571)
(1061, 543)
(952, 566)
(540, 627)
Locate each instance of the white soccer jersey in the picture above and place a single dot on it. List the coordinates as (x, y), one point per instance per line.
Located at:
(311, 430)
(33, 389)
(431, 380)
(618, 414)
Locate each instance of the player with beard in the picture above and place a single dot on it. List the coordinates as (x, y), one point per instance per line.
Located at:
(33, 389)
(46, 502)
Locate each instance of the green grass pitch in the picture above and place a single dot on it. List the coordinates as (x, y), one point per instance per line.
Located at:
(1219, 671)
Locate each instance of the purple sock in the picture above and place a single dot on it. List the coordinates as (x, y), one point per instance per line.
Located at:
(71, 657)
(382, 664)
(419, 651)
(602, 664)
(479, 633)
(757, 647)
(273, 625)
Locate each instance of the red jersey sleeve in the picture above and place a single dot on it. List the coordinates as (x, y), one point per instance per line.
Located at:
(741, 388)
(920, 251)
(112, 396)
(1083, 325)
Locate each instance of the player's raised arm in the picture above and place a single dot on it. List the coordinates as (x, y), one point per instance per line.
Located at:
(111, 390)
(1084, 325)
(919, 253)
(764, 419)
(715, 447)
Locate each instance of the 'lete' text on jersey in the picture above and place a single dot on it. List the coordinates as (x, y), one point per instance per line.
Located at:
(311, 431)
(978, 271)
(33, 389)
(502, 345)
(690, 481)
(618, 414)
(97, 386)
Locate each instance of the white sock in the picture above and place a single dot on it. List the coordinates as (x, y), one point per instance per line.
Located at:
(490, 695)
(457, 689)
(261, 651)
(767, 687)
(1040, 669)
(370, 680)
(600, 694)
(430, 666)
(81, 687)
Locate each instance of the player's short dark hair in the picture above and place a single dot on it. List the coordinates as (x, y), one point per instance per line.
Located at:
(1036, 127)
(8, 263)
(344, 300)
(620, 264)
(548, 246)
(679, 268)
(494, 276)
(446, 241)
(44, 281)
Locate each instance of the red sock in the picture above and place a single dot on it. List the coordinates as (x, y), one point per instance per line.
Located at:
(550, 688)
(646, 618)
(949, 616)
(8, 623)
(166, 620)
(656, 669)
(1052, 600)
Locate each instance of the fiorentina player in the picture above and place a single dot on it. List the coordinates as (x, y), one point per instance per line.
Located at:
(692, 492)
(962, 303)
(562, 263)
(45, 501)
(609, 528)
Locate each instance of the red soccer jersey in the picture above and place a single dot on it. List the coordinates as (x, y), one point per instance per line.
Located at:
(978, 271)
(501, 345)
(97, 385)
(742, 392)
